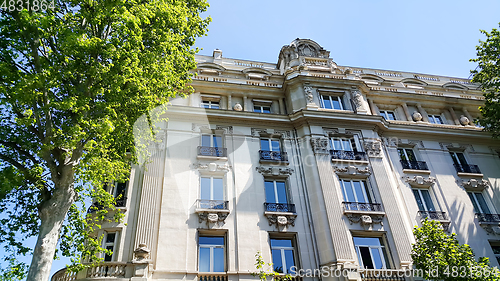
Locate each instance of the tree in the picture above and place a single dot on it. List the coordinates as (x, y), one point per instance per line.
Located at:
(488, 75)
(74, 77)
(441, 257)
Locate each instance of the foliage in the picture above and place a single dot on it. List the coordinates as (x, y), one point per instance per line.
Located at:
(74, 77)
(488, 75)
(263, 274)
(441, 257)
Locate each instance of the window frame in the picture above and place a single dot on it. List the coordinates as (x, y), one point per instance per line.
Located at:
(405, 152)
(367, 196)
(435, 117)
(113, 245)
(211, 254)
(270, 140)
(338, 99)
(435, 205)
(456, 159)
(382, 250)
(475, 203)
(211, 188)
(385, 114)
(261, 108)
(352, 143)
(276, 193)
(212, 136)
(210, 102)
(282, 250)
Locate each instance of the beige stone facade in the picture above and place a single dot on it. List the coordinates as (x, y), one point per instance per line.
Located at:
(311, 164)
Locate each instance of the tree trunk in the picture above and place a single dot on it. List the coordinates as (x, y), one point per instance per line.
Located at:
(52, 214)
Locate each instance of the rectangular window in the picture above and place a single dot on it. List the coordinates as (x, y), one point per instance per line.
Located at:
(214, 104)
(496, 250)
(210, 140)
(283, 253)
(424, 200)
(435, 119)
(345, 144)
(371, 252)
(276, 192)
(119, 191)
(388, 115)
(479, 202)
(355, 191)
(211, 254)
(262, 108)
(407, 154)
(331, 102)
(458, 158)
(270, 144)
(211, 188)
(109, 243)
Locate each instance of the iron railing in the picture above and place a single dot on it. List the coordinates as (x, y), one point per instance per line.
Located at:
(488, 217)
(97, 206)
(212, 204)
(368, 207)
(212, 151)
(433, 215)
(467, 168)
(273, 155)
(280, 207)
(348, 155)
(215, 276)
(414, 165)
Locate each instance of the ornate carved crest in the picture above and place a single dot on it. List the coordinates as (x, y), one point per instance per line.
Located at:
(373, 148)
(475, 184)
(309, 93)
(420, 181)
(212, 167)
(198, 127)
(227, 129)
(352, 171)
(320, 145)
(365, 219)
(274, 171)
(259, 132)
(281, 221)
(213, 218)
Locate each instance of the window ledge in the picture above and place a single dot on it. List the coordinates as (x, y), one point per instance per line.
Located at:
(211, 157)
(212, 211)
(279, 162)
(336, 110)
(412, 171)
(461, 174)
(280, 213)
(364, 212)
(350, 161)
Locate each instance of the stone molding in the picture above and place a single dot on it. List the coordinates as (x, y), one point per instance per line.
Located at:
(212, 218)
(352, 171)
(212, 167)
(258, 132)
(456, 146)
(281, 220)
(365, 219)
(228, 130)
(200, 127)
(474, 184)
(420, 181)
(320, 145)
(274, 171)
(309, 94)
(373, 148)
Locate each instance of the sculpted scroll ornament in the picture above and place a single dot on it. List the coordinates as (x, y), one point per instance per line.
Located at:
(274, 171)
(476, 184)
(373, 148)
(420, 181)
(309, 94)
(357, 98)
(319, 145)
(353, 171)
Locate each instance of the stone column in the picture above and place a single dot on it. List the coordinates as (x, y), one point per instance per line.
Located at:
(373, 107)
(407, 112)
(282, 106)
(229, 103)
(422, 111)
(466, 112)
(390, 201)
(453, 115)
(245, 103)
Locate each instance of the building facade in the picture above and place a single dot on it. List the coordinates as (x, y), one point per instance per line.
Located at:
(310, 164)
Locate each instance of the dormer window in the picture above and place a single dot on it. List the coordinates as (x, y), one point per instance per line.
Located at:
(435, 119)
(388, 115)
(262, 106)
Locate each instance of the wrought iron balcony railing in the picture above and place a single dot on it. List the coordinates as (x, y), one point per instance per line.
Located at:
(280, 207)
(214, 276)
(492, 218)
(368, 207)
(212, 204)
(348, 155)
(433, 215)
(467, 168)
(273, 156)
(414, 165)
(96, 206)
(212, 151)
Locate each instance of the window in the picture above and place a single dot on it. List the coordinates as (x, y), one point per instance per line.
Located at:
(262, 108)
(479, 202)
(282, 251)
(211, 145)
(270, 150)
(461, 165)
(345, 144)
(211, 188)
(214, 104)
(211, 254)
(458, 158)
(355, 191)
(276, 192)
(109, 243)
(270, 145)
(371, 252)
(388, 115)
(424, 200)
(495, 246)
(331, 102)
(406, 154)
(409, 160)
(118, 191)
(435, 119)
(210, 140)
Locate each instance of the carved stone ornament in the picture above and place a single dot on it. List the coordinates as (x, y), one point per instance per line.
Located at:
(227, 129)
(141, 253)
(309, 94)
(373, 148)
(464, 120)
(352, 171)
(199, 127)
(259, 132)
(357, 98)
(476, 184)
(420, 181)
(212, 167)
(365, 219)
(212, 217)
(416, 116)
(238, 107)
(281, 220)
(320, 145)
(274, 171)
(491, 229)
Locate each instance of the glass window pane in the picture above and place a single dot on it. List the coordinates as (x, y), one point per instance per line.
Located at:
(205, 140)
(454, 158)
(326, 102)
(281, 243)
(438, 119)
(277, 262)
(270, 195)
(402, 155)
(337, 145)
(108, 257)
(218, 190)
(420, 203)
(411, 155)
(264, 145)
(472, 199)
(428, 200)
(462, 159)
(366, 257)
(336, 103)
(211, 240)
(204, 259)
(482, 203)
(281, 188)
(110, 237)
(366, 241)
(349, 194)
(266, 109)
(377, 259)
(205, 104)
(275, 145)
(215, 105)
(346, 144)
(205, 189)
(218, 260)
(382, 113)
(256, 108)
(289, 260)
(391, 116)
(359, 192)
(217, 141)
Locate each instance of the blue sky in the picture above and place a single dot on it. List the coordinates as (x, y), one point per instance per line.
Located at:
(431, 37)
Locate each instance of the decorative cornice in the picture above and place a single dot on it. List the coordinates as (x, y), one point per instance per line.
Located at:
(212, 167)
(281, 220)
(365, 219)
(320, 145)
(420, 181)
(455, 146)
(228, 130)
(212, 218)
(353, 171)
(274, 171)
(373, 148)
(199, 127)
(259, 132)
(474, 184)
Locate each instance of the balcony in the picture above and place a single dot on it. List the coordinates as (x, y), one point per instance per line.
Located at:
(274, 156)
(467, 168)
(433, 215)
(212, 204)
(362, 207)
(488, 218)
(119, 203)
(215, 276)
(212, 151)
(280, 207)
(414, 165)
(348, 155)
